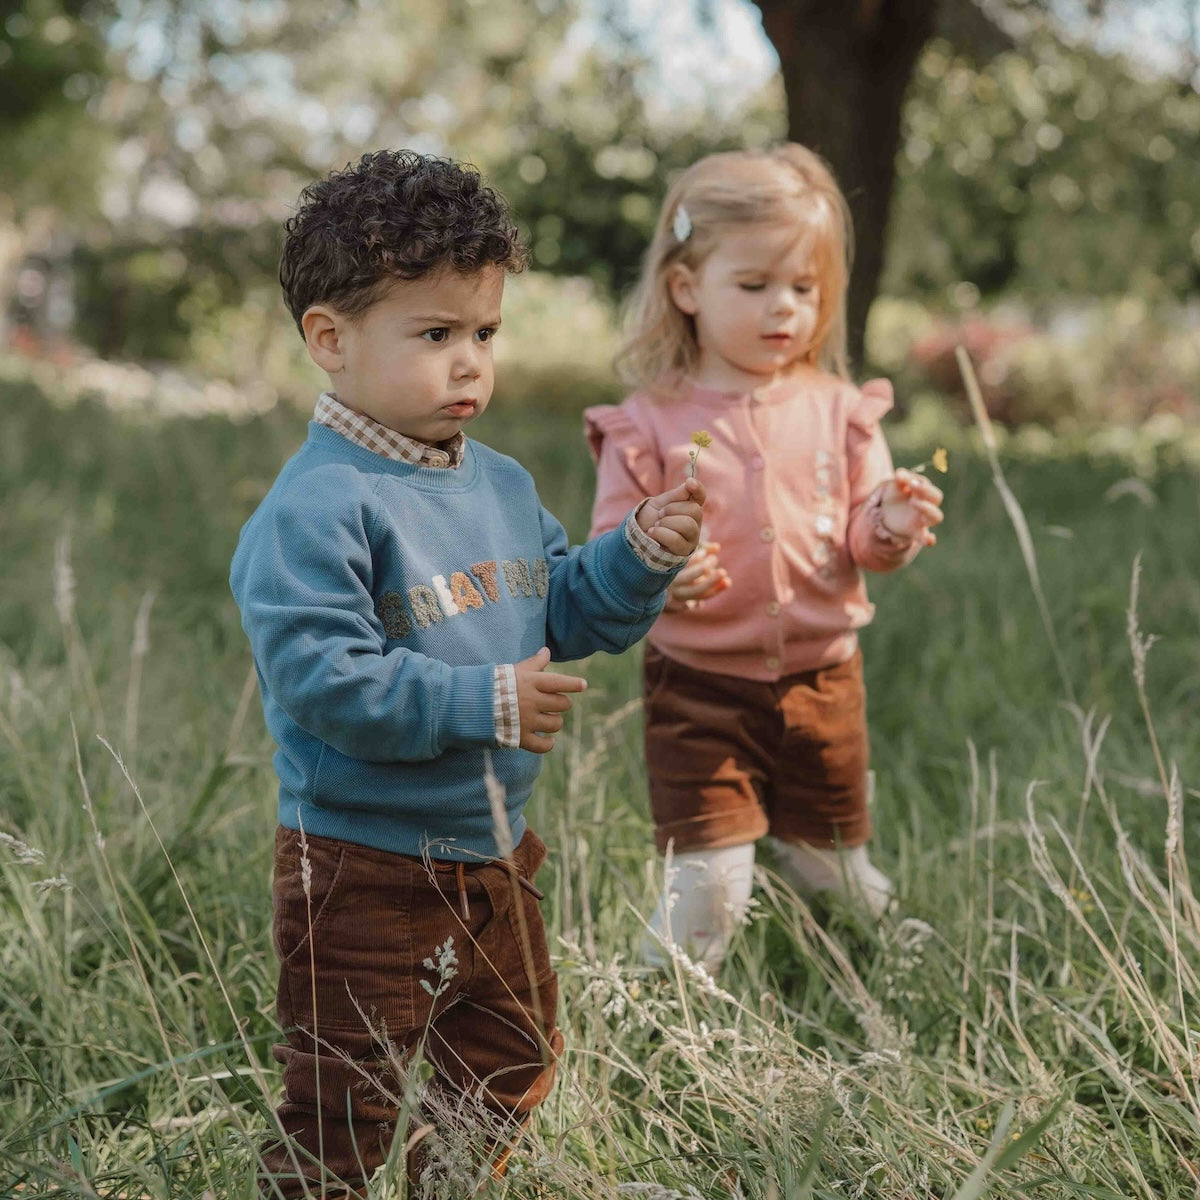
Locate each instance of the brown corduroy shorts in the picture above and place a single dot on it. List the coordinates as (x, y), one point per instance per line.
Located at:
(732, 759)
(446, 958)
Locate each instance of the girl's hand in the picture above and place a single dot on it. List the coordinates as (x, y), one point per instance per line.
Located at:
(910, 506)
(673, 518)
(700, 580)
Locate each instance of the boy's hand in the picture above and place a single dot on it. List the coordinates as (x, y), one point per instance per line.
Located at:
(541, 698)
(910, 505)
(673, 518)
(700, 580)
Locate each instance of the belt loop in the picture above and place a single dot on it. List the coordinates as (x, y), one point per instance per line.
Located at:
(463, 903)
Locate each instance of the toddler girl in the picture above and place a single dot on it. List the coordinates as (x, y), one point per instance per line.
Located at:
(754, 702)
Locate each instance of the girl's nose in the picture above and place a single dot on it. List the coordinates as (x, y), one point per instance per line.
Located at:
(783, 300)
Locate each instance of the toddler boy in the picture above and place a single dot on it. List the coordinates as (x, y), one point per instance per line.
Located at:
(404, 590)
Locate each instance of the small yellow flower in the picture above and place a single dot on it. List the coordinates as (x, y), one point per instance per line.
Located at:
(939, 461)
(700, 439)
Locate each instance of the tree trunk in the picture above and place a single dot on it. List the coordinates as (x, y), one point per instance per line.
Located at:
(846, 66)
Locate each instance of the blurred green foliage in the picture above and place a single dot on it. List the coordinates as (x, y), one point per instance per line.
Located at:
(590, 183)
(181, 134)
(1051, 171)
(52, 64)
(48, 57)
(147, 300)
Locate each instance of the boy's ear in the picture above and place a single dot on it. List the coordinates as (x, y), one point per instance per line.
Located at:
(681, 286)
(323, 336)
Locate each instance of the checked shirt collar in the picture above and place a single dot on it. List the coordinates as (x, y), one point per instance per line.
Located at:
(371, 435)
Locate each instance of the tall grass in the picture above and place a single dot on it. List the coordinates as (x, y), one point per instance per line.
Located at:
(1026, 1025)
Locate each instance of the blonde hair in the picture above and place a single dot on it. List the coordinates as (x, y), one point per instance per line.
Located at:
(786, 185)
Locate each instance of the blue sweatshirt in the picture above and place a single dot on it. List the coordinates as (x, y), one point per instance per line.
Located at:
(378, 597)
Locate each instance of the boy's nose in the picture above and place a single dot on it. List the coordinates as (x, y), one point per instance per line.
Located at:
(468, 365)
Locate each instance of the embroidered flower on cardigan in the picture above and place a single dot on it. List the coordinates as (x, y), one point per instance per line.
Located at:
(824, 523)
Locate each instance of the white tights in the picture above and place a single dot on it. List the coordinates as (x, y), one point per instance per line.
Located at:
(707, 893)
(704, 900)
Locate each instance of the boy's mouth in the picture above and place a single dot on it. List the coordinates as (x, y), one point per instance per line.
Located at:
(461, 408)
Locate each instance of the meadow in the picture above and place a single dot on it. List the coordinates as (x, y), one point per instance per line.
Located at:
(1027, 1023)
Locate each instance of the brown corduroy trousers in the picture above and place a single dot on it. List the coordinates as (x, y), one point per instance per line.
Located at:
(386, 958)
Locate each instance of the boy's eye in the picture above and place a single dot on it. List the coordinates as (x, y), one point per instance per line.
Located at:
(486, 334)
(436, 335)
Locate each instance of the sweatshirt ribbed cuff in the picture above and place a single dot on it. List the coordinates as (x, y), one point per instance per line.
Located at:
(632, 578)
(466, 714)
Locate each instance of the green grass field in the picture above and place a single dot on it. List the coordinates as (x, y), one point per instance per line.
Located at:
(1028, 1023)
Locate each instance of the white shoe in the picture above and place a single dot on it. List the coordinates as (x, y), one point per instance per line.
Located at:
(848, 874)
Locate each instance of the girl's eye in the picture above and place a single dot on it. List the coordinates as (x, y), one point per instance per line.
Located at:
(436, 335)
(803, 289)
(752, 287)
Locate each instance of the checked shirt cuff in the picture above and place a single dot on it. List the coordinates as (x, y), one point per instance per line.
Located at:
(505, 707)
(647, 549)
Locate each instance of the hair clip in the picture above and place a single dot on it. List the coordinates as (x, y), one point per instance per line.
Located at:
(681, 227)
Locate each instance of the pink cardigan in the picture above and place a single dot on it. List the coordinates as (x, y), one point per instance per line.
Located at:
(794, 478)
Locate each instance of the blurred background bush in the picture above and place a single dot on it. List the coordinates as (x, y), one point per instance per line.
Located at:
(1025, 178)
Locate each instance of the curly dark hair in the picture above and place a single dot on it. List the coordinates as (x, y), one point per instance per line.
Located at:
(395, 214)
